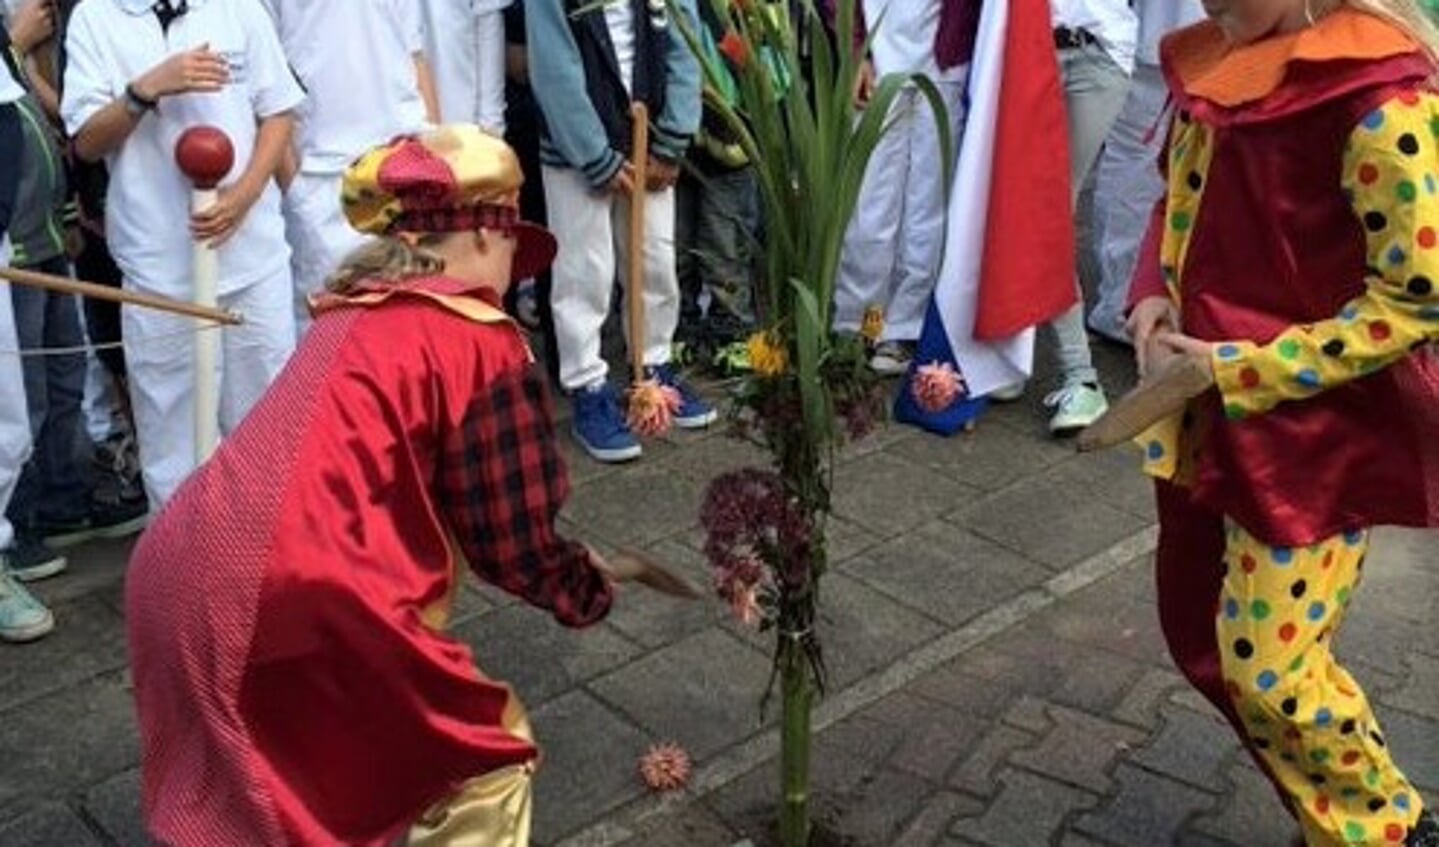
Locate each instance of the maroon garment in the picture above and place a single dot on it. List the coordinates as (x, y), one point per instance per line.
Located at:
(953, 43)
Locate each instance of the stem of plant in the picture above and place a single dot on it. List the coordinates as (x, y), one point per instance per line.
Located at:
(797, 692)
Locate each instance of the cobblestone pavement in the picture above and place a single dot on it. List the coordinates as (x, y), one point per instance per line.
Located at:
(998, 675)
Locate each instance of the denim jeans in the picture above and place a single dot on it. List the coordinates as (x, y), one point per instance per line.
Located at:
(52, 485)
(716, 222)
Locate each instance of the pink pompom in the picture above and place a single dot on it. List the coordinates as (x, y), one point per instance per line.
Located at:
(666, 767)
(937, 386)
(653, 407)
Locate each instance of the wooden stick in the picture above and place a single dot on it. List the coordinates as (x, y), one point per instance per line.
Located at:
(64, 285)
(635, 298)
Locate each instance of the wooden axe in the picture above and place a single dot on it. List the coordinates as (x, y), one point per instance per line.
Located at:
(1173, 380)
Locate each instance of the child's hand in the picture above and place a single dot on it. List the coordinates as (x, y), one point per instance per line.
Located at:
(216, 224)
(623, 182)
(32, 25)
(1149, 316)
(864, 85)
(1186, 345)
(200, 70)
(661, 175)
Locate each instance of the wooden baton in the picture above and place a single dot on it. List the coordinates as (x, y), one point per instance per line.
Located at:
(64, 285)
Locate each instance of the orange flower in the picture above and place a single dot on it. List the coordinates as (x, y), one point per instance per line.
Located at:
(936, 386)
(735, 48)
(653, 407)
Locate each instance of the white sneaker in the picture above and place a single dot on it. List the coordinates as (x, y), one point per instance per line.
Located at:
(22, 617)
(1009, 393)
(1076, 407)
(891, 358)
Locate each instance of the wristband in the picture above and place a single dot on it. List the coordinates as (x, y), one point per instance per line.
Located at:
(135, 104)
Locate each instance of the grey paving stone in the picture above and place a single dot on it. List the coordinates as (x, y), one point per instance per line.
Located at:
(89, 639)
(1068, 673)
(939, 813)
(647, 503)
(472, 601)
(1250, 813)
(1415, 742)
(882, 493)
(702, 692)
(978, 773)
(1140, 705)
(878, 812)
(95, 567)
(538, 657)
(690, 825)
(1420, 694)
(1190, 747)
(1103, 616)
(966, 693)
(1110, 476)
(52, 825)
(862, 630)
(1027, 813)
(947, 573)
(934, 745)
(852, 751)
(1055, 526)
(989, 459)
(590, 765)
(716, 454)
(1029, 714)
(115, 805)
(654, 620)
(1080, 749)
(65, 742)
(1148, 810)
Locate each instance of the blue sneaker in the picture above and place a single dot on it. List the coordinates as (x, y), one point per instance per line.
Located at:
(600, 426)
(694, 412)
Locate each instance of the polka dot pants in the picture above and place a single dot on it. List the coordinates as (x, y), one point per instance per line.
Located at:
(1306, 717)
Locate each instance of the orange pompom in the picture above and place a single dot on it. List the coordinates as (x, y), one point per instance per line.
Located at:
(666, 767)
(653, 407)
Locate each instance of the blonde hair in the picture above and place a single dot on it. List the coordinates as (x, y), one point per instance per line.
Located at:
(388, 259)
(1408, 16)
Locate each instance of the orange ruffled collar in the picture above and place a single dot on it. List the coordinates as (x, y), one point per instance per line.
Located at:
(1209, 67)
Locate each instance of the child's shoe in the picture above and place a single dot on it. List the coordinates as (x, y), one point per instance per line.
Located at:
(31, 560)
(1075, 407)
(695, 412)
(600, 426)
(22, 617)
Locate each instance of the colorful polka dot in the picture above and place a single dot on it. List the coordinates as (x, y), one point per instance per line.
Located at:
(1334, 347)
(1249, 378)
(1350, 759)
(1323, 717)
(1316, 611)
(1289, 349)
(1427, 238)
(1260, 610)
(1227, 351)
(1155, 451)
(1401, 802)
(1181, 221)
(1231, 609)
(1354, 537)
(1297, 665)
(1248, 563)
(1394, 832)
(1420, 286)
(1408, 144)
(1397, 256)
(1355, 832)
(1309, 378)
(1373, 221)
(1344, 596)
(1407, 191)
(1267, 680)
(1380, 330)
(1319, 756)
(1374, 120)
(1282, 555)
(1288, 633)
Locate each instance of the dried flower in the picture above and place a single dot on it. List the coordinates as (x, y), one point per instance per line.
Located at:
(750, 520)
(872, 327)
(653, 407)
(936, 386)
(767, 356)
(666, 767)
(735, 48)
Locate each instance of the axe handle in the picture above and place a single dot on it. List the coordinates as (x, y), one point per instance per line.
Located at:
(50, 282)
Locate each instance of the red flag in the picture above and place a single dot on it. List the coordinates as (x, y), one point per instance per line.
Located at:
(1029, 267)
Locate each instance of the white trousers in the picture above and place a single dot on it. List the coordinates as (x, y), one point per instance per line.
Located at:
(593, 230)
(159, 352)
(14, 410)
(895, 241)
(1126, 188)
(320, 237)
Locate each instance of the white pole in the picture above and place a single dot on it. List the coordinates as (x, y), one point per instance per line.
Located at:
(207, 338)
(205, 155)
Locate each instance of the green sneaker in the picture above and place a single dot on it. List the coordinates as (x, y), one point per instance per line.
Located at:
(1076, 407)
(22, 617)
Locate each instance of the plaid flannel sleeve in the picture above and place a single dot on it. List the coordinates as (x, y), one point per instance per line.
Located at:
(502, 483)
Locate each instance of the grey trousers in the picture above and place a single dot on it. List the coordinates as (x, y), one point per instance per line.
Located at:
(1096, 88)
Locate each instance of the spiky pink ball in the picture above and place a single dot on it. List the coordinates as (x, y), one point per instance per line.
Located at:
(936, 386)
(653, 407)
(666, 767)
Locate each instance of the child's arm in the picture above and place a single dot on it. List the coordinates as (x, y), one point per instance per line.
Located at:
(676, 125)
(1388, 174)
(502, 482)
(558, 81)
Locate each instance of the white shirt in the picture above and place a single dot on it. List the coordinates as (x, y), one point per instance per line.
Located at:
(619, 19)
(1158, 18)
(1111, 21)
(10, 89)
(148, 207)
(356, 59)
(465, 44)
(904, 33)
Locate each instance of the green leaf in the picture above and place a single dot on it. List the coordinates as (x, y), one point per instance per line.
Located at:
(810, 337)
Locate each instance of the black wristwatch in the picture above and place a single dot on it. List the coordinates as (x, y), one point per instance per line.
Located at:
(135, 104)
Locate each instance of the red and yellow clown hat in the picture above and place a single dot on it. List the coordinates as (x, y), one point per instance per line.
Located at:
(455, 178)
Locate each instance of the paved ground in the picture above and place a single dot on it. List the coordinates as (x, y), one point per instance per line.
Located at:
(998, 674)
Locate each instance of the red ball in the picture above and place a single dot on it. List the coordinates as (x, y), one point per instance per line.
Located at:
(205, 155)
